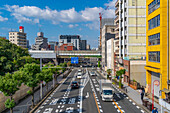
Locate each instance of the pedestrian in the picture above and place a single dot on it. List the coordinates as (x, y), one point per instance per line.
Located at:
(154, 110)
(142, 93)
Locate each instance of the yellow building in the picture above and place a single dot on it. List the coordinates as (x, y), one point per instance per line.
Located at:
(157, 44)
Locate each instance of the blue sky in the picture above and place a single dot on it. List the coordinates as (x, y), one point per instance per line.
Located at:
(55, 17)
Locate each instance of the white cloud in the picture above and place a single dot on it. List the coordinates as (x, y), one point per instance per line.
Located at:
(73, 25)
(70, 25)
(3, 19)
(33, 14)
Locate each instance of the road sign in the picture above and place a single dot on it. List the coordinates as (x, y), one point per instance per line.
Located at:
(74, 60)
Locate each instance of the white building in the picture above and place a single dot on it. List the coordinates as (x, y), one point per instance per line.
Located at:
(18, 38)
(110, 54)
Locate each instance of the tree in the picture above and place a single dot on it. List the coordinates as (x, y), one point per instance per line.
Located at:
(9, 55)
(31, 73)
(99, 64)
(109, 71)
(120, 73)
(9, 86)
(47, 76)
(69, 64)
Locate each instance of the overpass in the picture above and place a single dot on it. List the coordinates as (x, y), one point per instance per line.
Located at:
(64, 54)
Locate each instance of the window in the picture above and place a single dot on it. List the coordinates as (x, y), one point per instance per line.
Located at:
(154, 56)
(154, 39)
(154, 22)
(153, 6)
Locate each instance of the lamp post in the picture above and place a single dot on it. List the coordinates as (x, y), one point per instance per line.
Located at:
(155, 82)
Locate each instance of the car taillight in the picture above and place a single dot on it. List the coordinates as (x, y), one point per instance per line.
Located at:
(76, 84)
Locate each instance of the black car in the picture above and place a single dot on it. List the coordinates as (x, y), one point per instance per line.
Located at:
(74, 84)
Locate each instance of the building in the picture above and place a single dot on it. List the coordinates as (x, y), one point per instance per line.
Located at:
(18, 38)
(110, 54)
(108, 32)
(52, 45)
(65, 47)
(157, 49)
(88, 47)
(130, 26)
(74, 39)
(40, 42)
(83, 44)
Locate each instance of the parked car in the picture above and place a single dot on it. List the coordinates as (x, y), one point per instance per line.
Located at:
(74, 84)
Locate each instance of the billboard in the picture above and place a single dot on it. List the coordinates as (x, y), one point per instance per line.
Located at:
(74, 60)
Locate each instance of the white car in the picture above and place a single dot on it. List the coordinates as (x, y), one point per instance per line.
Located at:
(79, 76)
(93, 73)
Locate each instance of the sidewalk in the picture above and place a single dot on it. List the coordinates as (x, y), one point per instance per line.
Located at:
(135, 95)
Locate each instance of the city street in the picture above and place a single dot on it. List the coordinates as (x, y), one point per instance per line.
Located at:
(86, 99)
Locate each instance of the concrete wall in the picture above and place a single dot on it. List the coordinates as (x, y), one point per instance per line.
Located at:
(137, 72)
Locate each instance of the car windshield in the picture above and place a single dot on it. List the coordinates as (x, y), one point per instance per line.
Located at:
(75, 82)
(92, 72)
(107, 92)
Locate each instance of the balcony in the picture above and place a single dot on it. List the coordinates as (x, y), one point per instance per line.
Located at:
(117, 11)
(117, 35)
(117, 3)
(117, 19)
(117, 27)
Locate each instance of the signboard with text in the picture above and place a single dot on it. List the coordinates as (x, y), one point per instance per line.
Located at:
(74, 60)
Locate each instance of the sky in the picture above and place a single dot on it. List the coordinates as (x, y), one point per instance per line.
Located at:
(55, 18)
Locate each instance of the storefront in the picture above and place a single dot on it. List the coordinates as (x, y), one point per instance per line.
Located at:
(155, 77)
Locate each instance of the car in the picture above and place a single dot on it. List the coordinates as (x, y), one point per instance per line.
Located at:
(78, 75)
(74, 84)
(93, 73)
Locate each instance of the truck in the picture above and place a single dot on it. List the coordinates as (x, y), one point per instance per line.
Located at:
(106, 90)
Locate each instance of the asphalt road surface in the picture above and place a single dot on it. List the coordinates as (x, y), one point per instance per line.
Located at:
(86, 99)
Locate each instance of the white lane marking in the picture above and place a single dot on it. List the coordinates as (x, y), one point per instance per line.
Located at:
(118, 110)
(97, 89)
(101, 110)
(142, 111)
(38, 111)
(133, 103)
(119, 106)
(56, 110)
(96, 85)
(58, 106)
(115, 106)
(48, 110)
(137, 107)
(87, 95)
(54, 102)
(123, 111)
(61, 110)
(69, 110)
(100, 106)
(130, 100)
(62, 106)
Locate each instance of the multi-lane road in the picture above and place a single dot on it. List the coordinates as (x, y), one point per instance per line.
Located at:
(86, 99)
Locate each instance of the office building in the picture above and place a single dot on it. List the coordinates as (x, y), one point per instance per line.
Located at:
(157, 50)
(108, 32)
(83, 44)
(18, 38)
(130, 27)
(74, 39)
(88, 47)
(40, 42)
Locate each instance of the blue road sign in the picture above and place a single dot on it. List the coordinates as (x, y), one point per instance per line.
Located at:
(74, 60)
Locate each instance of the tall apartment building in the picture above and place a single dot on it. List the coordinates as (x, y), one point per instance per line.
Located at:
(108, 32)
(18, 38)
(130, 27)
(40, 42)
(157, 49)
(83, 44)
(74, 39)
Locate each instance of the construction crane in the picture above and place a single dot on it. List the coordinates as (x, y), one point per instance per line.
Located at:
(100, 16)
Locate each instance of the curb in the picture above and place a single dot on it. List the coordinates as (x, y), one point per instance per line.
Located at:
(143, 107)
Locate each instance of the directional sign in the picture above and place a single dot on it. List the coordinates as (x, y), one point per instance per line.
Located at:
(74, 60)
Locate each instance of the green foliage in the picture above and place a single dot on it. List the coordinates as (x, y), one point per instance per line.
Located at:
(29, 92)
(9, 103)
(8, 84)
(99, 64)
(30, 74)
(46, 75)
(109, 71)
(9, 56)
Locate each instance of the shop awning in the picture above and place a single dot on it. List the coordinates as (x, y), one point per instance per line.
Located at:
(165, 90)
(156, 70)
